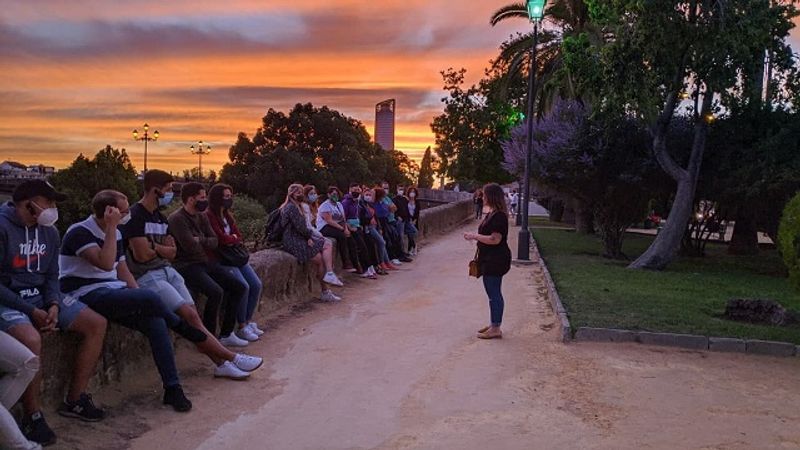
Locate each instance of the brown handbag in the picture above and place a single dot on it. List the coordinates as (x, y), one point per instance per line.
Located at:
(475, 267)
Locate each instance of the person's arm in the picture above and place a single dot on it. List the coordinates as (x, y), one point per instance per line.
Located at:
(52, 290)
(104, 258)
(219, 231)
(491, 239)
(209, 239)
(298, 221)
(124, 274)
(180, 228)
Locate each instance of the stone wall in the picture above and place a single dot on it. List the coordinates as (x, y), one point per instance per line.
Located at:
(285, 283)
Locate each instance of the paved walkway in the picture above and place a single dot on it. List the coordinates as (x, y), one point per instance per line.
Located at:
(396, 366)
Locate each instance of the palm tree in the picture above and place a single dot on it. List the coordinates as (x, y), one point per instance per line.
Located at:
(570, 19)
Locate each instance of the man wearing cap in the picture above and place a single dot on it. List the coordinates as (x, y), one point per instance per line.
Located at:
(31, 303)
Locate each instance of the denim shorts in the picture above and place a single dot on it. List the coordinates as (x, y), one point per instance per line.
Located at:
(68, 311)
(169, 285)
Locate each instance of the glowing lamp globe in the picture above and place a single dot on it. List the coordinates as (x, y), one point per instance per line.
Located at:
(536, 9)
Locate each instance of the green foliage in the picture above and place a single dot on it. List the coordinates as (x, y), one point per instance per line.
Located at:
(309, 145)
(250, 217)
(789, 240)
(109, 169)
(426, 170)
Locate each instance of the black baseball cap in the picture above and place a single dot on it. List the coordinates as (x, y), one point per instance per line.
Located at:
(35, 188)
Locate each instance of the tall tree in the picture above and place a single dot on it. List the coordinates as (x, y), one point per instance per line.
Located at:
(662, 48)
(426, 170)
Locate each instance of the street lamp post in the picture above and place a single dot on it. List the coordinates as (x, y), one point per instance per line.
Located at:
(536, 13)
(200, 152)
(145, 138)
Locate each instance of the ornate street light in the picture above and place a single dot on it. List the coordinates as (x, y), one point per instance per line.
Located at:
(146, 138)
(200, 152)
(536, 14)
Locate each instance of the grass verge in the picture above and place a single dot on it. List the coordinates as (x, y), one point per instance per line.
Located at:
(688, 297)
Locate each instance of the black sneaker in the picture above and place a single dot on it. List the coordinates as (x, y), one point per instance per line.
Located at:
(174, 396)
(406, 259)
(83, 409)
(35, 429)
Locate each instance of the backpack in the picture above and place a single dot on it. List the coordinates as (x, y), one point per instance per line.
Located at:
(273, 232)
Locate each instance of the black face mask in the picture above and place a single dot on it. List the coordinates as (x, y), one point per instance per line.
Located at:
(227, 203)
(355, 194)
(201, 205)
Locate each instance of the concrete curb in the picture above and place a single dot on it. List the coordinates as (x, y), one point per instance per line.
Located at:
(552, 294)
(687, 341)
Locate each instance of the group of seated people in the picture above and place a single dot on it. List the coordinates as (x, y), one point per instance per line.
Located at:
(367, 225)
(131, 265)
(127, 264)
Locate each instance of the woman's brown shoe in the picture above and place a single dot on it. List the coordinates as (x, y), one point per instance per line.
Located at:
(484, 329)
(491, 334)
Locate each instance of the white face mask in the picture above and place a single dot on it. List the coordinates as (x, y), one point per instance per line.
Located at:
(368, 198)
(412, 195)
(48, 217)
(400, 192)
(125, 219)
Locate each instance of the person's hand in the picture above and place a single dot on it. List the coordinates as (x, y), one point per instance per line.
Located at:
(112, 216)
(196, 239)
(470, 236)
(347, 232)
(310, 242)
(168, 241)
(52, 318)
(39, 318)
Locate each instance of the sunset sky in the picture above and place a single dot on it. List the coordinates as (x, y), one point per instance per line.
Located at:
(77, 75)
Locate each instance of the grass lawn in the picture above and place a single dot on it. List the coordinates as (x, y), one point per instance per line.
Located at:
(689, 297)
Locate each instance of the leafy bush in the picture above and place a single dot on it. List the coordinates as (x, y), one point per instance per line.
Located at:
(789, 239)
(250, 217)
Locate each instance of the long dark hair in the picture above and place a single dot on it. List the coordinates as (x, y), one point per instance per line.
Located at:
(495, 198)
(215, 197)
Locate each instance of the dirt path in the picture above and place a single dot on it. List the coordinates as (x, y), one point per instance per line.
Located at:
(396, 366)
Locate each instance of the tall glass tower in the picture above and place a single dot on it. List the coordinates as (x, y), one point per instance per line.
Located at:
(384, 124)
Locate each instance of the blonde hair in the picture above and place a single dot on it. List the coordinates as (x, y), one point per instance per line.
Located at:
(294, 189)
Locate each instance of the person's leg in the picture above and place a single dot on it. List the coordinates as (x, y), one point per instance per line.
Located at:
(18, 366)
(28, 336)
(493, 286)
(157, 333)
(341, 243)
(92, 329)
(241, 311)
(198, 279)
(255, 287)
(327, 256)
(380, 243)
(11, 436)
(234, 288)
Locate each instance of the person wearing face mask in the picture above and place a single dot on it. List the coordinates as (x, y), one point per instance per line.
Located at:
(149, 252)
(195, 261)
(332, 224)
(372, 227)
(304, 245)
(220, 216)
(31, 302)
(405, 225)
(366, 252)
(413, 213)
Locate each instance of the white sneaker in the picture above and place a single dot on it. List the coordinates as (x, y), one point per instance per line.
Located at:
(372, 272)
(254, 328)
(331, 278)
(229, 370)
(397, 262)
(247, 363)
(232, 340)
(247, 334)
(329, 296)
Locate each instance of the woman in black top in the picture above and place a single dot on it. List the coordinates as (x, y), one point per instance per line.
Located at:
(494, 256)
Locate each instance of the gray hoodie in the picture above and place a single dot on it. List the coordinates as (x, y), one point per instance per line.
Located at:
(28, 262)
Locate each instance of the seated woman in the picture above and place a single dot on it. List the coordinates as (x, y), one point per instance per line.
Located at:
(303, 244)
(372, 227)
(331, 223)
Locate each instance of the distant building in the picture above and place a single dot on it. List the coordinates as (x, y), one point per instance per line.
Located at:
(42, 170)
(384, 124)
(13, 169)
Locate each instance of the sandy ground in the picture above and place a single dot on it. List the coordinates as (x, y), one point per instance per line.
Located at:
(397, 366)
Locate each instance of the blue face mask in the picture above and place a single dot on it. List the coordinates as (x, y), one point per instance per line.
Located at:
(166, 198)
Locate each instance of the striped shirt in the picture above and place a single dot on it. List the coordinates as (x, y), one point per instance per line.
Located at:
(77, 275)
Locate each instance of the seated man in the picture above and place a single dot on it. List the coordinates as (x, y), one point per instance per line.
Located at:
(196, 242)
(30, 301)
(149, 251)
(94, 271)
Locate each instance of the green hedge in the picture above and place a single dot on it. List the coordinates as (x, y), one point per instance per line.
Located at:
(789, 240)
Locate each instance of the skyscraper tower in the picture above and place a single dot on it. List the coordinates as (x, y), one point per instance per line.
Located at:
(384, 124)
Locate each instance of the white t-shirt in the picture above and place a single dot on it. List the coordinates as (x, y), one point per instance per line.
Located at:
(309, 219)
(336, 211)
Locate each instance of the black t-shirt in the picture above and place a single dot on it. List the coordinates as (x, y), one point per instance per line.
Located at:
(495, 260)
(151, 225)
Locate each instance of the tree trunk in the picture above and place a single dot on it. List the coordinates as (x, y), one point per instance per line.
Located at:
(584, 218)
(568, 215)
(556, 210)
(745, 235)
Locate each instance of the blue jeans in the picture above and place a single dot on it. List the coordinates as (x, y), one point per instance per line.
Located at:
(252, 294)
(141, 310)
(380, 242)
(493, 286)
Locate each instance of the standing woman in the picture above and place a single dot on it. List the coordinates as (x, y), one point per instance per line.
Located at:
(220, 203)
(413, 213)
(477, 199)
(300, 242)
(494, 256)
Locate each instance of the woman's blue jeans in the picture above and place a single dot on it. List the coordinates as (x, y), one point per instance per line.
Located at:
(249, 302)
(380, 242)
(493, 286)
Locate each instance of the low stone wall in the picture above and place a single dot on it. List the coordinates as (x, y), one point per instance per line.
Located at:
(286, 282)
